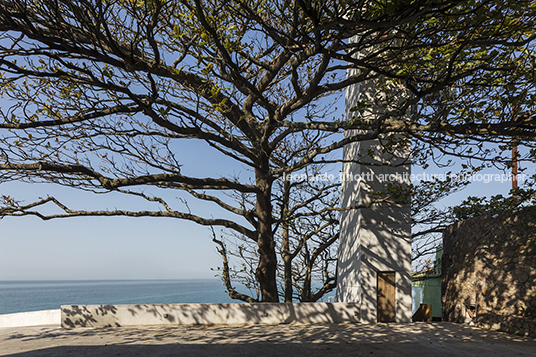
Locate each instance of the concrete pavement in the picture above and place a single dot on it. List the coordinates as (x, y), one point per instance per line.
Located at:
(345, 339)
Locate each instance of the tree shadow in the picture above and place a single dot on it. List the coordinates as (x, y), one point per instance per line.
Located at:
(80, 316)
(274, 340)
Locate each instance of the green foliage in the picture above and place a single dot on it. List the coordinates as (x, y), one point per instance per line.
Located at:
(480, 206)
(104, 95)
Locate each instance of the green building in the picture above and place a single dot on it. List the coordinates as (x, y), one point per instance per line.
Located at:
(426, 287)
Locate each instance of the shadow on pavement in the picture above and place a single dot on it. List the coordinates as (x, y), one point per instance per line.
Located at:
(415, 339)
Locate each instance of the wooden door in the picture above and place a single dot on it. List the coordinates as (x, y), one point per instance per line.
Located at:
(386, 296)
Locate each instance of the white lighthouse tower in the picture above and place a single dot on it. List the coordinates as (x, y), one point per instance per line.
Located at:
(374, 263)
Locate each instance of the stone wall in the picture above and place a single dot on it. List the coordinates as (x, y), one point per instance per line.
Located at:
(489, 272)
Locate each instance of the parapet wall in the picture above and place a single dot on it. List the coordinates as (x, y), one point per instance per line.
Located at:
(489, 272)
(31, 318)
(205, 314)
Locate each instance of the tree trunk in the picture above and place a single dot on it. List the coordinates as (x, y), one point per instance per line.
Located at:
(306, 291)
(267, 268)
(287, 259)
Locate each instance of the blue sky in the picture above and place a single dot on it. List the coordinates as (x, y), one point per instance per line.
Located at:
(102, 247)
(112, 247)
(131, 248)
(118, 247)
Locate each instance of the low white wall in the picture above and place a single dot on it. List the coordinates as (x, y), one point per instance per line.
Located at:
(31, 318)
(203, 314)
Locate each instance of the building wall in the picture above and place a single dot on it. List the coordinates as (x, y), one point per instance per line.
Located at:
(489, 263)
(377, 238)
(431, 293)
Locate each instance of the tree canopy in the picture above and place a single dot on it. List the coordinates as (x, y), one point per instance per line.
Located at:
(100, 96)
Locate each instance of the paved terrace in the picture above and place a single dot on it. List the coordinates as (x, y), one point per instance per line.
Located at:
(345, 339)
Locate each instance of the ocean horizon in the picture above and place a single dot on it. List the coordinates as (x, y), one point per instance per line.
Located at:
(33, 295)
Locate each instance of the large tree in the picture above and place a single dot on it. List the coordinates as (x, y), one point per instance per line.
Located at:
(100, 96)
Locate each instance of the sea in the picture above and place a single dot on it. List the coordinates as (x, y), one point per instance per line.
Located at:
(25, 295)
